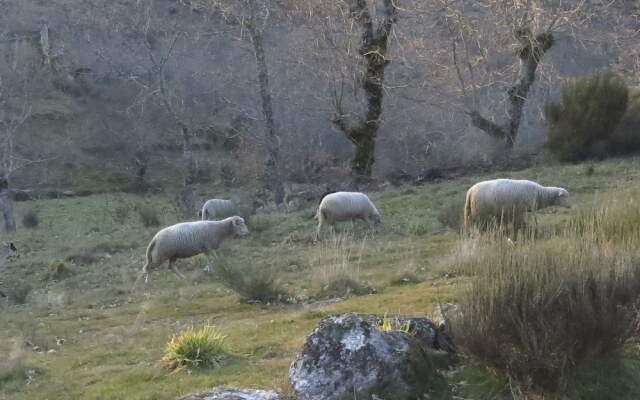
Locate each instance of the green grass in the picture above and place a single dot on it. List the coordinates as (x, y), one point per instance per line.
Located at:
(196, 347)
(115, 328)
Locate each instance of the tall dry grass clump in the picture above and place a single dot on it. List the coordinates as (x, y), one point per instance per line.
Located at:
(538, 308)
(13, 362)
(252, 283)
(613, 219)
(336, 266)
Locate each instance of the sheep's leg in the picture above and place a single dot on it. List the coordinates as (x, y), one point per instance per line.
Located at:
(173, 268)
(320, 223)
(368, 221)
(208, 267)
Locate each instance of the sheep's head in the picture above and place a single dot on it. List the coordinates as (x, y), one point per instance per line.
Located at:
(239, 228)
(563, 198)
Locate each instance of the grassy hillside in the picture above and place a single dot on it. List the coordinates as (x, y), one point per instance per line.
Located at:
(82, 263)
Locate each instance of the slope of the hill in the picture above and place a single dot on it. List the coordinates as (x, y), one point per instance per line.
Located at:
(78, 273)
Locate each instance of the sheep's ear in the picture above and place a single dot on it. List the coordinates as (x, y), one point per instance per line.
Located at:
(236, 221)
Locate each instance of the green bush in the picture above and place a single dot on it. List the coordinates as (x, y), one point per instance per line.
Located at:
(581, 124)
(626, 137)
(196, 347)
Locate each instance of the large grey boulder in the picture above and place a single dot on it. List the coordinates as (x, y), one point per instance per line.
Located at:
(349, 356)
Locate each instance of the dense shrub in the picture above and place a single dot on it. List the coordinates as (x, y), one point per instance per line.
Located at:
(196, 347)
(626, 137)
(539, 309)
(580, 125)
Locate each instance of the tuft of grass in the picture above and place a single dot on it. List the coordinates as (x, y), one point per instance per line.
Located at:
(607, 378)
(452, 215)
(31, 219)
(82, 256)
(196, 347)
(394, 324)
(121, 212)
(58, 270)
(13, 367)
(611, 218)
(334, 272)
(417, 228)
(538, 309)
(148, 215)
(252, 283)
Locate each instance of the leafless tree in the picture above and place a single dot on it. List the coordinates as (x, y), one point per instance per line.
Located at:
(153, 49)
(351, 51)
(482, 34)
(252, 16)
(25, 70)
(374, 40)
(9, 124)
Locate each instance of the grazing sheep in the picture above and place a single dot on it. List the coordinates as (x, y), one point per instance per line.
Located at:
(7, 252)
(188, 239)
(499, 196)
(216, 209)
(343, 206)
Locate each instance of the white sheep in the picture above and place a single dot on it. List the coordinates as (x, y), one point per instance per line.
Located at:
(498, 197)
(216, 209)
(344, 206)
(188, 239)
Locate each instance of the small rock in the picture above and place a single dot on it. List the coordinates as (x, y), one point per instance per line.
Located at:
(218, 393)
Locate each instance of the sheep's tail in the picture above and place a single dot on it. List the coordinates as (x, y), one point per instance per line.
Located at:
(467, 208)
(150, 248)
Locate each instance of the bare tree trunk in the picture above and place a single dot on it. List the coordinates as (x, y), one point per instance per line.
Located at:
(273, 146)
(373, 47)
(141, 171)
(531, 51)
(7, 206)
